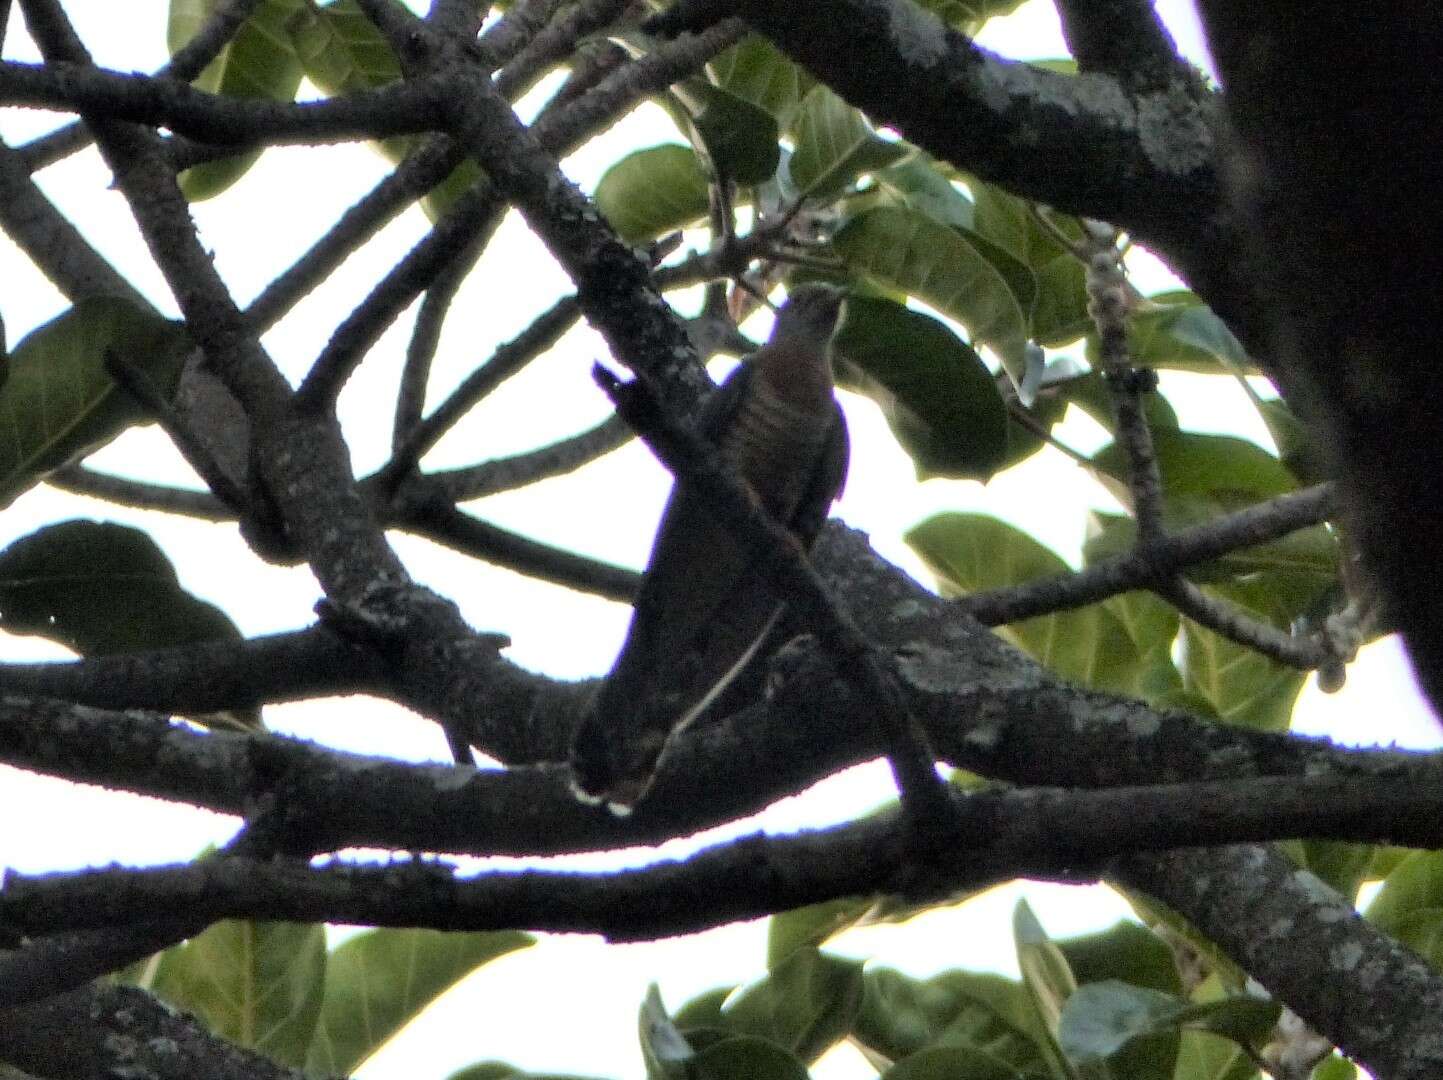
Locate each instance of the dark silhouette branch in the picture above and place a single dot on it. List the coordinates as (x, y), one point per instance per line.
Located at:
(992, 836)
(1141, 568)
(81, 480)
(441, 522)
(105, 1031)
(519, 470)
(203, 47)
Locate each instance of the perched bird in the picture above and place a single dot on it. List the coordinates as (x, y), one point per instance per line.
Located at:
(703, 607)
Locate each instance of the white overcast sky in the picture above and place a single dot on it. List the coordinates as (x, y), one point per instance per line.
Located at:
(568, 1005)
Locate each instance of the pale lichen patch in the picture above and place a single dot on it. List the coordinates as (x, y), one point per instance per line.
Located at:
(1345, 956)
(920, 37)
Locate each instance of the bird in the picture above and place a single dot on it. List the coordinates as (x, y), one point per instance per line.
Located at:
(705, 606)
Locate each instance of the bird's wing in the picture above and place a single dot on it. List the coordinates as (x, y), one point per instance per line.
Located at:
(826, 482)
(696, 608)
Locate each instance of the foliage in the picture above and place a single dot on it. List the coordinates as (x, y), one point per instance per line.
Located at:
(970, 326)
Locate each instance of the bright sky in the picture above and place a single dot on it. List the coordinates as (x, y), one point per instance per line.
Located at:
(573, 986)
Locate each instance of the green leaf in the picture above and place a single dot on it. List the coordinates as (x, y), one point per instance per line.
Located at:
(257, 984)
(1181, 332)
(259, 62)
(1336, 1068)
(665, 1050)
(1231, 472)
(58, 404)
(738, 137)
(1058, 313)
(954, 1063)
(1386, 859)
(1049, 982)
(902, 1016)
(1211, 1057)
(1409, 906)
(968, 16)
(1245, 688)
(499, 1070)
(972, 552)
(1126, 951)
(953, 272)
(1010, 223)
(1244, 1019)
(379, 980)
(1340, 865)
(487, 1070)
(834, 145)
(100, 589)
(1141, 633)
(1295, 445)
(917, 183)
(1103, 1017)
(746, 1056)
(1091, 394)
(342, 52)
(704, 1010)
(1023, 440)
(653, 191)
(938, 397)
(1100, 1018)
(808, 927)
(806, 1004)
(755, 70)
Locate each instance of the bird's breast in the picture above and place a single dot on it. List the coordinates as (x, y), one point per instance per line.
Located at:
(774, 445)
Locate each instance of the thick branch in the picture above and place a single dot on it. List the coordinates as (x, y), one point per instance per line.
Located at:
(1381, 1003)
(102, 1032)
(159, 101)
(992, 837)
(208, 677)
(986, 708)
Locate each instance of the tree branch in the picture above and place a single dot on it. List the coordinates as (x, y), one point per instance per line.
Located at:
(1142, 568)
(214, 119)
(987, 709)
(208, 676)
(80, 480)
(437, 520)
(558, 459)
(992, 836)
(204, 46)
(105, 1031)
(1379, 1002)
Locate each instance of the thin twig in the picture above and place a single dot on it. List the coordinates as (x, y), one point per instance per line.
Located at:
(558, 459)
(478, 211)
(1233, 623)
(506, 361)
(207, 43)
(418, 174)
(1142, 568)
(448, 526)
(425, 335)
(554, 42)
(514, 30)
(1108, 302)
